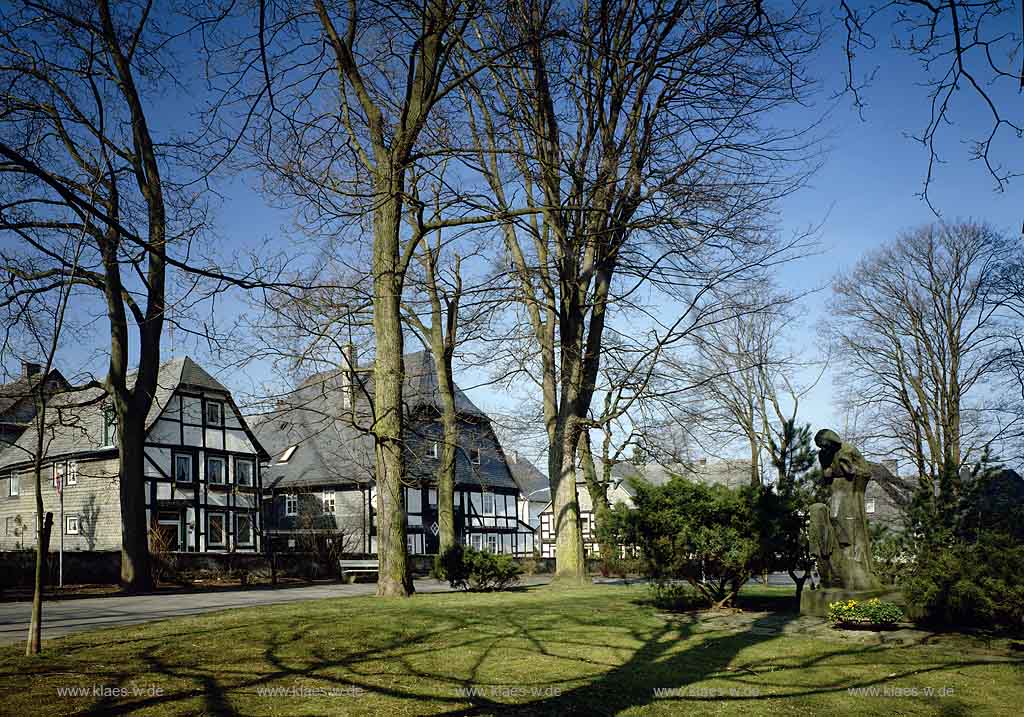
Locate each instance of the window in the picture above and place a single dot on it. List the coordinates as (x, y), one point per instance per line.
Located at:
(432, 497)
(435, 449)
(474, 455)
(585, 520)
(869, 506)
(11, 527)
(243, 529)
(410, 544)
(183, 467)
(168, 525)
(14, 485)
(215, 470)
(287, 455)
(71, 524)
(476, 541)
(214, 413)
(72, 475)
(291, 504)
(59, 469)
(109, 427)
(329, 502)
(245, 469)
(488, 499)
(216, 534)
(492, 543)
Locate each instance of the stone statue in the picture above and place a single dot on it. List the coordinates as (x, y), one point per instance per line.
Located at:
(838, 532)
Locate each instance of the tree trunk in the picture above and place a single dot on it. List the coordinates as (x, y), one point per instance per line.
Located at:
(446, 471)
(394, 578)
(35, 627)
(598, 490)
(136, 575)
(799, 581)
(570, 565)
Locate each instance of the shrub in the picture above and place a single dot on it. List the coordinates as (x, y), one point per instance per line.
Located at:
(468, 569)
(866, 612)
(702, 534)
(970, 584)
(676, 597)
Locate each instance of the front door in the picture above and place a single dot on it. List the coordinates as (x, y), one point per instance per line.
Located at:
(431, 528)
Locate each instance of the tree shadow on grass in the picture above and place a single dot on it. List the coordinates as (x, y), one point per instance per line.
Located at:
(465, 662)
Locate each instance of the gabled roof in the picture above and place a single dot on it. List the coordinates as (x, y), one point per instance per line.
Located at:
(14, 392)
(316, 420)
(75, 418)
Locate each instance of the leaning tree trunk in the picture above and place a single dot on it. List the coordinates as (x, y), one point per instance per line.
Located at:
(43, 527)
(135, 559)
(394, 578)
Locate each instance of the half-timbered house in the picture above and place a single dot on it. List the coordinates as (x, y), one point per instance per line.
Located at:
(320, 480)
(202, 470)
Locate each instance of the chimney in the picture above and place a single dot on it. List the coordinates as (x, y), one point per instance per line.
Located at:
(349, 365)
(29, 369)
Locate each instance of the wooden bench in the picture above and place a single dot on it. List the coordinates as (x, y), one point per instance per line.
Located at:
(357, 566)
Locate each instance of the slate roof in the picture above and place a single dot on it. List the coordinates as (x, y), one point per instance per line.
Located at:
(14, 392)
(329, 450)
(730, 473)
(528, 477)
(75, 418)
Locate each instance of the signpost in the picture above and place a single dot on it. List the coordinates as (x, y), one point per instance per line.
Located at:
(58, 484)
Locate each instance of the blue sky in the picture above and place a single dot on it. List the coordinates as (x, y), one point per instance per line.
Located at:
(864, 194)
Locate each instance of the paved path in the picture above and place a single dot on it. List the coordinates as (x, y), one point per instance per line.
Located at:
(62, 617)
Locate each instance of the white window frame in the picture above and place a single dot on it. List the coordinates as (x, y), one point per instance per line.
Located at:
(177, 522)
(492, 543)
(435, 450)
(68, 521)
(869, 506)
(475, 456)
(60, 471)
(329, 495)
(71, 475)
(252, 472)
(13, 485)
(224, 470)
(291, 504)
(207, 405)
(224, 529)
(410, 543)
(483, 503)
(252, 530)
(174, 467)
(476, 541)
(287, 455)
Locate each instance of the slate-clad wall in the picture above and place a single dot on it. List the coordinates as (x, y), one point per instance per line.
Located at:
(95, 500)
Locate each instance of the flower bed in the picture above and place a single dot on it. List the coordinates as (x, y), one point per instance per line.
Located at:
(865, 613)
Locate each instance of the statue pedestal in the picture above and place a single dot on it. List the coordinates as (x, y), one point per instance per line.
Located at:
(816, 602)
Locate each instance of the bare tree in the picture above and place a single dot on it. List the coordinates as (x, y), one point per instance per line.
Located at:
(79, 156)
(920, 327)
(38, 317)
(962, 46)
(634, 129)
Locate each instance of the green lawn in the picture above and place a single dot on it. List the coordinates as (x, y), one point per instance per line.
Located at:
(592, 650)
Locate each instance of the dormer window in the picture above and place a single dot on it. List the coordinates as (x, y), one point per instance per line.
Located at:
(435, 449)
(287, 455)
(214, 413)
